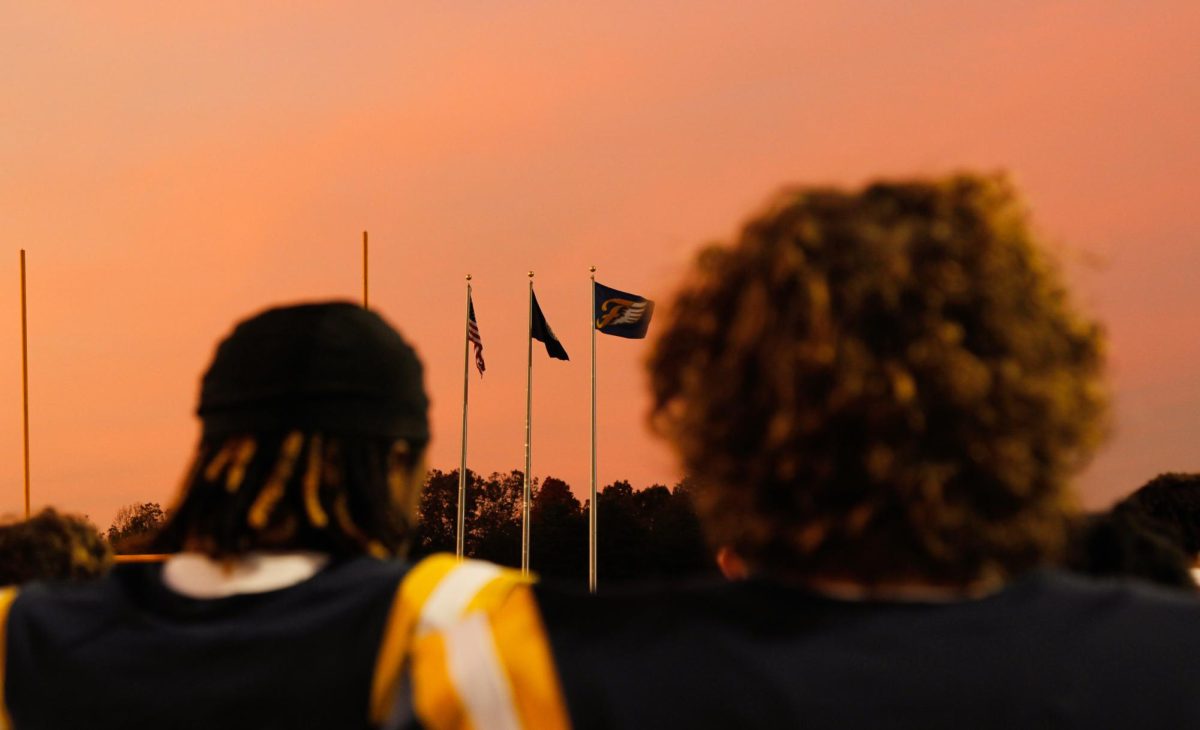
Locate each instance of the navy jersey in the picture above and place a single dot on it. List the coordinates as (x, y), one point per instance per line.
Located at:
(127, 652)
(1049, 650)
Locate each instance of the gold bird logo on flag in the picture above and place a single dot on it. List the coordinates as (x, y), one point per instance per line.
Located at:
(620, 311)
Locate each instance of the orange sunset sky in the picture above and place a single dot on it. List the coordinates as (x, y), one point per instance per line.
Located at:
(171, 167)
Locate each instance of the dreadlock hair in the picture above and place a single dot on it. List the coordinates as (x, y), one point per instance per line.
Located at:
(315, 420)
(342, 495)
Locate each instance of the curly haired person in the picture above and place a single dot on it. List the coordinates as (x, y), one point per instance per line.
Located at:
(882, 395)
(52, 546)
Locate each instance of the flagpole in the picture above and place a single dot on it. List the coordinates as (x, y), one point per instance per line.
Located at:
(525, 494)
(25, 380)
(460, 533)
(365, 301)
(592, 503)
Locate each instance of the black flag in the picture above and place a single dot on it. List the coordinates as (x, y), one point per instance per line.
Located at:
(540, 330)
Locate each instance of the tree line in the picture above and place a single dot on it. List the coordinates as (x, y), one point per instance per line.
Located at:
(644, 534)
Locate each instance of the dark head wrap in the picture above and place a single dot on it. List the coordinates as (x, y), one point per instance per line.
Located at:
(331, 367)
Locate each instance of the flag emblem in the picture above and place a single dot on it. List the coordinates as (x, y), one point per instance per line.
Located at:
(620, 311)
(622, 314)
(473, 335)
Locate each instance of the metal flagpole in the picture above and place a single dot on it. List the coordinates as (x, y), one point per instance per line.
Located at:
(592, 503)
(525, 495)
(460, 539)
(25, 380)
(366, 304)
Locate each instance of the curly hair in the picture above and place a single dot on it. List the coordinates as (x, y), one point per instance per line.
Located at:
(882, 384)
(52, 546)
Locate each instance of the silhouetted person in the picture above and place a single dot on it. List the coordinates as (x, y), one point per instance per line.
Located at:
(882, 395)
(52, 546)
(1170, 503)
(286, 605)
(1122, 545)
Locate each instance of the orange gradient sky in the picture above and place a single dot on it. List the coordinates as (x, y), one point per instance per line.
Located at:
(171, 167)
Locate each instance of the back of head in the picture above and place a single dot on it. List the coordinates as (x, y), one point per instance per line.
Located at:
(1171, 503)
(314, 428)
(883, 384)
(52, 546)
(1122, 544)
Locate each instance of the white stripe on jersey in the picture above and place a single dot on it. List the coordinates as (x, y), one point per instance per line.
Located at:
(453, 593)
(478, 676)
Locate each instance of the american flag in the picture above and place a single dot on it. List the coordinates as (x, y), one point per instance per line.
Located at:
(473, 335)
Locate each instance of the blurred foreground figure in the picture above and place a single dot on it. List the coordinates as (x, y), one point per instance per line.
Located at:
(52, 546)
(882, 395)
(1170, 504)
(1120, 544)
(284, 607)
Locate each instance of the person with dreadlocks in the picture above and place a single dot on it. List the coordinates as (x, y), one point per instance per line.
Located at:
(285, 602)
(882, 395)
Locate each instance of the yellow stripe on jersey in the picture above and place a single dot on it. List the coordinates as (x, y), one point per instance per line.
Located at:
(491, 670)
(435, 700)
(492, 596)
(7, 596)
(455, 594)
(435, 594)
(414, 590)
(524, 651)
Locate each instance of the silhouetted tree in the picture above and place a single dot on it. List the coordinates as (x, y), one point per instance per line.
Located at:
(685, 549)
(494, 526)
(653, 508)
(621, 535)
(135, 526)
(492, 511)
(437, 512)
(558, 534)
(644, 534)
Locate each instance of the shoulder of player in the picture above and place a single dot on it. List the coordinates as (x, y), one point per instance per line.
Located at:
(43, 599)
(441, 589)
(1128, 594)
(493, 667)
(439, 594)
(1118, 612)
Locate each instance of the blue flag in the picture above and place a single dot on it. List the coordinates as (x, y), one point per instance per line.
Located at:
(622, 314)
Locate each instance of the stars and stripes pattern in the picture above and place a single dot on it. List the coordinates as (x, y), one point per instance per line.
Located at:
(473, 336)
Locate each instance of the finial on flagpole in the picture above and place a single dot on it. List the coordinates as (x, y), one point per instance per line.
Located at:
(530, 274)
(593, 270)
(468, 277)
